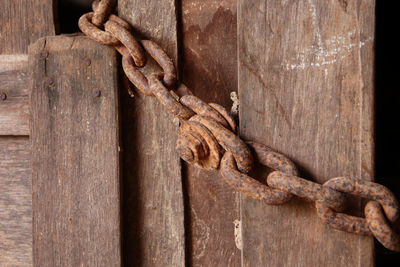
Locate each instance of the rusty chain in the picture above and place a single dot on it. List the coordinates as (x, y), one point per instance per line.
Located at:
(208, 139)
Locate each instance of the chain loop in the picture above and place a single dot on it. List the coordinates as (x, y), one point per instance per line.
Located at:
(88, 28)
(166, 98)
(102, 9)
(165, 62)
(379, 226)
(306, 189)
(127, 40)
(368, 190)
(252, 187)
(203, 109)
(229, 141)
(197, 145)
(207, 129)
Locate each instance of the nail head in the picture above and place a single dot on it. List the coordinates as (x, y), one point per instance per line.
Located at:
(3, 96)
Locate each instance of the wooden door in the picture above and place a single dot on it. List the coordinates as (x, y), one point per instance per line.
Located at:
(108, 186)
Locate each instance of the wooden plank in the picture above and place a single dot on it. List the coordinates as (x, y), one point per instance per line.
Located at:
(210, 70)
(75, 153)
(15, 202)
(23, 22)
(14, 80)
(153, 204)
(305, 88)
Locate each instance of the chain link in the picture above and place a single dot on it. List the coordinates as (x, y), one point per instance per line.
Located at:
(208, 139)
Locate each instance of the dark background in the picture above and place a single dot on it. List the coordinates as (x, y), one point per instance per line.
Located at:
(387, 97)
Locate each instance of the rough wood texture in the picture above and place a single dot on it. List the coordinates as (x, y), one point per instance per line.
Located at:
(153, 198)
(15, 202)
(305, 88)
(75, 153)
(23, 22)
(210, 70)
(14, 83)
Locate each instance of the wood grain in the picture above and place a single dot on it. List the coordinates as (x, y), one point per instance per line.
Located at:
(15, 202)
(305, 88)
(14, 82)
(210, 70)
(152, 181)
(75, 153)
(23, 22)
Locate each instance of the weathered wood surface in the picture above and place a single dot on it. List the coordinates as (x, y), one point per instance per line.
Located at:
(15, 202)
(152, 179)
(14, 83)
(75, 153)
(306, 89)
(210, 70)
(23, 22)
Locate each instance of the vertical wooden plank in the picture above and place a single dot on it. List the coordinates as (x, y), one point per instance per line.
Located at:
(305, 88)
(15, 202)
(21, 22)
(75, 153)
(153, 198)
(210, 70)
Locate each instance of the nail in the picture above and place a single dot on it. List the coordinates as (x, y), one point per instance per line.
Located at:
(44, 54)
(48, 81)
(87, 61)
(3, 96)
(96, 93)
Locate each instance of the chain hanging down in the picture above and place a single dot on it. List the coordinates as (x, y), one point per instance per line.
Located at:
(208, 139)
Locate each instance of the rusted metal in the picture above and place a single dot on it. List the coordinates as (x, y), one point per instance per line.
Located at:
(203, 109)
(3, 96)
(306, 189)
(229, 141)
(122, 22)
(165, 97)
(221, 110)
(340, 221)
(368, 190)
(165, 62)
(380, 228)
(364, 189)
(96, 93)
(276, 161)
(205, 128)
(198, 146)
(128, 41)
(48, 81)
(249, 186)
(182, 90)
(102, 10)
(87, 61)
(135, 76)
(95, 33)
(44, 54)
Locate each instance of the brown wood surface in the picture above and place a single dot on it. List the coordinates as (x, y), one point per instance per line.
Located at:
(152, 178)
(23, 22)
(75, 153)
(210, 70)
(15, 202)
(305, 89)
(14, 83)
